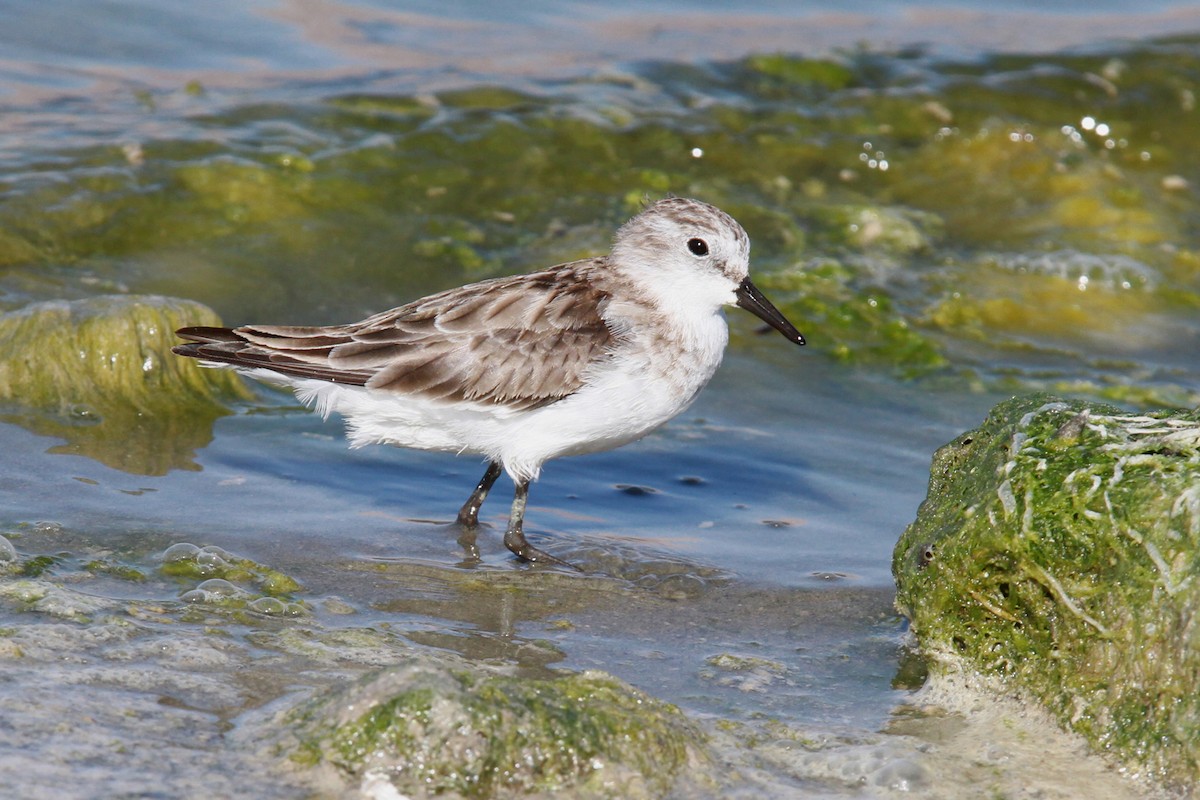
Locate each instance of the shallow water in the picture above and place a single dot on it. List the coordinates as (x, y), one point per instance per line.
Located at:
(312, 164)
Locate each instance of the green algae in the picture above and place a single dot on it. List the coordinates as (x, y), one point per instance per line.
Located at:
(490, 98)
(739, 663)
(37, 566)
(856, 327)
(99, 373)
(217, 568)
(477, 733)
(78, 578)
(103, 350)
(881, 229)
(115, 569)
(790, 73)
(1057, 550)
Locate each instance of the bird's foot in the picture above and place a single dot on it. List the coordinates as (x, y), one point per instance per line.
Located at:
(468, 518)
(514, 540)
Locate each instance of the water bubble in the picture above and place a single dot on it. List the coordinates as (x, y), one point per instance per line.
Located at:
(181, 551)
(8, 553)
(218, 587)
(212, 559)
(902, 775)
(269, 605)
(218, 552)
(336, 605)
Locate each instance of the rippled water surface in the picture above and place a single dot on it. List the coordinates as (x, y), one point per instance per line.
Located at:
(954, 204)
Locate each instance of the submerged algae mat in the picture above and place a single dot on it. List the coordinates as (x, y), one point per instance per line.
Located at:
(99, 373)
(1058, 552)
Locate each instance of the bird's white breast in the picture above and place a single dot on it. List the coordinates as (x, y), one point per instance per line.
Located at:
(655, 372)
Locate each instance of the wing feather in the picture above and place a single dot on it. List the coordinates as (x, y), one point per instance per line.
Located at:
(520, 342)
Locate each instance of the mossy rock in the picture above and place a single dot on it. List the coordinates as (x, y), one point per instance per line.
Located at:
(100, 373)
(1057, 550)
(433, 729)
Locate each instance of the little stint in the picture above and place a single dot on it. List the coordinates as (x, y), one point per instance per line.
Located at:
(578, 358)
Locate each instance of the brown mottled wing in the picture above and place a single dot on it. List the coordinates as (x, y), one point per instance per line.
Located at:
(520, 342)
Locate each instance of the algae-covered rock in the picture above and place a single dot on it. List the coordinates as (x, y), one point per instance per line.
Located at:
(99, 373)
(1058, 550)
(444, 730)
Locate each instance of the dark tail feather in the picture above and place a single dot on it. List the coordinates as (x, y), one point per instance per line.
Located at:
(239, 353)
(191, 349)
(207, 333)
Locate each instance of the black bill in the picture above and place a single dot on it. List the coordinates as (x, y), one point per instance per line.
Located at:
(751, 299)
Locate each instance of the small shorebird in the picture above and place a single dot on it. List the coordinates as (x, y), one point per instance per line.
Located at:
(577, 358)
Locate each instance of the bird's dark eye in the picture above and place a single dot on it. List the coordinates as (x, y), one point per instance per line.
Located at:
(698, 247)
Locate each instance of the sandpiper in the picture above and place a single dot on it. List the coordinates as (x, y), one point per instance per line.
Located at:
(578, 358)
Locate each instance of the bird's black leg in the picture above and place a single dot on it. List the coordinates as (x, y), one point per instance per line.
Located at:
(468, 515)
(514, 537)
